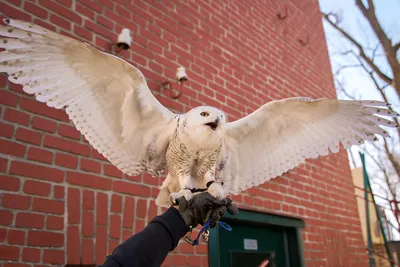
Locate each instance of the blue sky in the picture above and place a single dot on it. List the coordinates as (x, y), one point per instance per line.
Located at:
(355, 80)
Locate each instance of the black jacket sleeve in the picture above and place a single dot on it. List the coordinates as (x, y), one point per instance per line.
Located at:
(151, 246)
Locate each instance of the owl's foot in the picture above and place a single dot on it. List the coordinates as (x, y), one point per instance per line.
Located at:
(182, 193)
(216, 190)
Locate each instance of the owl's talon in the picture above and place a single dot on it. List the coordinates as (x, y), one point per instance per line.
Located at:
(182, 193)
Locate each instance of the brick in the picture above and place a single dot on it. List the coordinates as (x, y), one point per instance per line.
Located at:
(67, 3)
(54, 223)
(87, 224)
(36, 171)
(66, 145)
(107, 3)
(16, 116)
(53, 256)
(3, 232)
(36, 10)
(148, 179)
(3, 80)
(37, 107)
(6, 217)
(153, 209)
(126, 234)
(29, 220)
(61, 22)
(84, 11)
(178, 260)
(30, 254)
(11, 148)
(44, 124)
(101, 209)
(74, 206)
(69, 131)
(111, 170)
(101, 244)
(97, 155)
(9, 183)
(194, 260)
(45, 24)
(13, 264)
(92, 5)
(123, 12)
(87, 251)
(15, 237)
(131, 188)
(28, 136)
(37, 188)
(73, 245)
(116, 203)
(58, 191)
(6, 130)
(105, 22)
(48, 205)
(90, 166)
(88, 180)
(45, 239)
(88, 200)
(115, 226)
(141, 208)
(16, 201)
(3, 164)
(83, 33)
(139, 225)
(99, 30)
(8, 98)
(66, 160)
(61, 10)
(9, 252)
(129, 208)
(40, 155)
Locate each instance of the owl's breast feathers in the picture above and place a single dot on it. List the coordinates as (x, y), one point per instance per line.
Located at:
(183, 159)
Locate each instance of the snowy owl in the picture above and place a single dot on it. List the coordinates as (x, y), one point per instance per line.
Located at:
(109, 102)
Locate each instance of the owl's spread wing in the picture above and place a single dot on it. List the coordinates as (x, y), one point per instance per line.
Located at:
(106, 98)
(281, 134)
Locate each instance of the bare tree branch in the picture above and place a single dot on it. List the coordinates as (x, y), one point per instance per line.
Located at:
(360, 48)
(346, 67)
(392, 159)
(396, 46)
(390, 51)
(380, 90)
(342, 90)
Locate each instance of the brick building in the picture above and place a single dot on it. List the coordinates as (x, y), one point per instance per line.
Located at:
(63, 203)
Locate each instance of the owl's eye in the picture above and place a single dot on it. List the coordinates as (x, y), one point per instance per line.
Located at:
(204, 114)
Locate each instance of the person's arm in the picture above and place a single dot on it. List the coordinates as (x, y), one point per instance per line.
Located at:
(151, 246)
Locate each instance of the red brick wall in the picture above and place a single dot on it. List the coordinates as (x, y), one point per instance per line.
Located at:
(61, 202)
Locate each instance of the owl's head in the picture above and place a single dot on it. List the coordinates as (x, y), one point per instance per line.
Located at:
(206, 118)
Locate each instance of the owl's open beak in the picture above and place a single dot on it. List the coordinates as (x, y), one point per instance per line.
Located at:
(213, 125)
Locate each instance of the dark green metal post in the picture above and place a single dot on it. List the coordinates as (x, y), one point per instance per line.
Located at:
(378, 214)
(368, 223)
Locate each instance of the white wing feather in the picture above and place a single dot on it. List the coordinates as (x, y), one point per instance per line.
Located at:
(106, 98)
(280, 135)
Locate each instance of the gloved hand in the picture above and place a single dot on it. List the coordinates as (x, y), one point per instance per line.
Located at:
(195, 211)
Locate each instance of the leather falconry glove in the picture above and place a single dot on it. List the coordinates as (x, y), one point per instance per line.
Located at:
(196, 210)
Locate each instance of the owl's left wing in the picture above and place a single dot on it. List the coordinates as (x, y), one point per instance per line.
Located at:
(280, 135)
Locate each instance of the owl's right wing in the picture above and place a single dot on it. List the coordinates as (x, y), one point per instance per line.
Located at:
(280, 135)
(106, 98)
